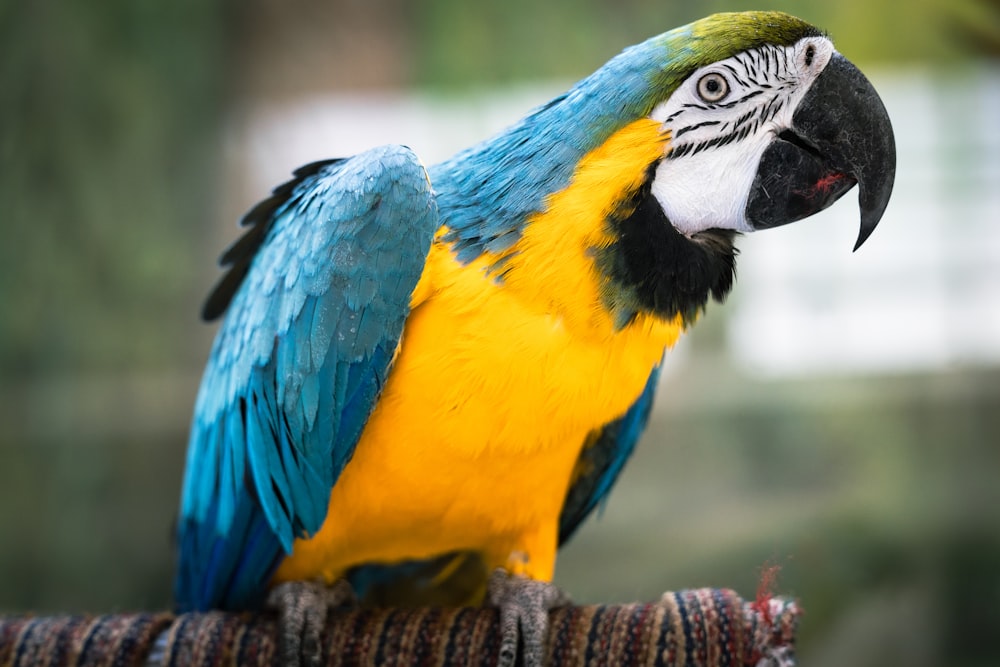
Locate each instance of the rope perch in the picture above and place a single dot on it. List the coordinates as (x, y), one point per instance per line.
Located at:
(690, 628)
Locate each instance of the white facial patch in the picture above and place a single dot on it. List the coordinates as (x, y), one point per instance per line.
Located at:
(720, 120)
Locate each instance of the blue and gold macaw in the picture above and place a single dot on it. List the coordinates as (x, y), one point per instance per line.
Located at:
(420, 369)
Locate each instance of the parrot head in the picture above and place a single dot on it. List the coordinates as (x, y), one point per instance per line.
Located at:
(769, 126)
(763, 123)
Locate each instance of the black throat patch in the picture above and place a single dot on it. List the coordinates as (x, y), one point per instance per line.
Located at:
(653, 268)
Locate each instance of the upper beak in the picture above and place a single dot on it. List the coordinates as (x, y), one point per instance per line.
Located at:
(840, 135)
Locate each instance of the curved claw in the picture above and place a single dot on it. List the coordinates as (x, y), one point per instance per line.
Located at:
(302, 608)
(524, 605)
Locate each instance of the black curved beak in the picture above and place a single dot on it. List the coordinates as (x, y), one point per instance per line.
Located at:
(840, 135)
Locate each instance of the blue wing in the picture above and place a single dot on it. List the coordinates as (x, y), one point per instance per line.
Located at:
(602, 459)
(317, 294)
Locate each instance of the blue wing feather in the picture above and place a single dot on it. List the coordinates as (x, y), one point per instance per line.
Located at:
(315, 300)
(602, 459)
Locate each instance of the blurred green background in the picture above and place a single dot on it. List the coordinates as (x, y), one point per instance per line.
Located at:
(864, 458)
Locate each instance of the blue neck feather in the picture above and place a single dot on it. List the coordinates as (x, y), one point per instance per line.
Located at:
(485, 193)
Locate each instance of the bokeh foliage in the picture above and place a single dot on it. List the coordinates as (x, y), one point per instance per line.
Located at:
(108, 163)
(460, 42)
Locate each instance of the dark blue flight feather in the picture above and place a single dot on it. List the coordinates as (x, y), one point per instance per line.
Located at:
(602, 459)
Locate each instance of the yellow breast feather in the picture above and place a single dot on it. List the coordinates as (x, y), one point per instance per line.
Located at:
(499, 379)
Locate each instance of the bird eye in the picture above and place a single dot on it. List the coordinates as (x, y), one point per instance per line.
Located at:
(713, 87)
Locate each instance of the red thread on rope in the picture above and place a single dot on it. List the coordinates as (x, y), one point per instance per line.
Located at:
(762, 602)
(765, 592)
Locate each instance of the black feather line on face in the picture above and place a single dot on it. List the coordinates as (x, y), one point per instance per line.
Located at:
(653, 268)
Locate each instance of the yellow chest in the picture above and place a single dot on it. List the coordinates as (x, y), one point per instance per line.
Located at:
(492, 394)
(477, 431)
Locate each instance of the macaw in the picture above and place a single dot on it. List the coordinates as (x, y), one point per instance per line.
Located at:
(422, 368)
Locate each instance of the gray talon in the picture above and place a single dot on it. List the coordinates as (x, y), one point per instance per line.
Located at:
(524, 613)
(302, 607)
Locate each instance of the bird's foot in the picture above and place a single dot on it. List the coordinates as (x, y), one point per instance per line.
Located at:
(524, 613)
(302, 608)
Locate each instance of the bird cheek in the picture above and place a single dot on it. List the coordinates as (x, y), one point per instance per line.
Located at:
(704, 191)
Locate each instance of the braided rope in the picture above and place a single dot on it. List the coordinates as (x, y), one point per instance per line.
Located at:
(691, 628)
